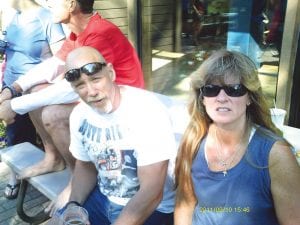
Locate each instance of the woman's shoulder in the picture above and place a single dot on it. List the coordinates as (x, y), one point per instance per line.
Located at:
(267, 134)
(279, 144)
(263, 140)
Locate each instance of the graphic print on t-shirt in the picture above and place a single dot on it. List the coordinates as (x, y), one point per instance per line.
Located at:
(115, 161)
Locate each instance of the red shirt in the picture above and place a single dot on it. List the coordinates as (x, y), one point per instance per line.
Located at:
(108, 39)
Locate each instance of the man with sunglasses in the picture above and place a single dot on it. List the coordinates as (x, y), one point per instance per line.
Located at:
(50, 107)
(118, 147)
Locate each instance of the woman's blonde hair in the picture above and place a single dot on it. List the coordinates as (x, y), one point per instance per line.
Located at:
(221, 66)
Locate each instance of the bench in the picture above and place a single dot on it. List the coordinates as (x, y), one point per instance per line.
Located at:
(23, 155)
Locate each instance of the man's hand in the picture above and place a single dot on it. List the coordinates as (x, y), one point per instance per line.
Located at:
(60, 201)
(5, 95)
(6, 112)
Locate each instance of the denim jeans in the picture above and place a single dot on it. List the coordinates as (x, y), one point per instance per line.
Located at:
(22, 130)
(102, 211)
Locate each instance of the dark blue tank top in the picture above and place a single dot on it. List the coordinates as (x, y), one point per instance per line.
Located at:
(243, 196)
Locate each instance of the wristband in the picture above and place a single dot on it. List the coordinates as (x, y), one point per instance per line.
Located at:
(62, 210)
(72, 202)
(12, 90)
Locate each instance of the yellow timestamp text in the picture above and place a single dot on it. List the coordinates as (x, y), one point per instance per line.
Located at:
(225, 209)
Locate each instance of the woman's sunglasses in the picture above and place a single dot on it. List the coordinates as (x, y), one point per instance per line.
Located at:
(88, 69)
(232, 90)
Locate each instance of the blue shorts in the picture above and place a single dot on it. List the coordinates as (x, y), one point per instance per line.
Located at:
(102, 211)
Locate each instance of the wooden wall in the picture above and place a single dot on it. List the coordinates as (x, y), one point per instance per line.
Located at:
(162, 19)
(115, 11)
(158, 31)
(157, 21)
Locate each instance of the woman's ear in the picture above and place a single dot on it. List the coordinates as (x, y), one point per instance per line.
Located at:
(249, 100)
(202, 99)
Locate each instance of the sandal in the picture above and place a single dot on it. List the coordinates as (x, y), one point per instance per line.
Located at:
(11, 191)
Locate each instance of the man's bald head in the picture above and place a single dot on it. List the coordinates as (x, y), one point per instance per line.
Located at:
(81, 56)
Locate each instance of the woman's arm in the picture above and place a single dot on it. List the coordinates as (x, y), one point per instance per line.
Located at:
(184, 212)
(285, 184)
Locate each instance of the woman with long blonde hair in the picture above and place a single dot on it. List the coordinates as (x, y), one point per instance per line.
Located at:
(233, 166)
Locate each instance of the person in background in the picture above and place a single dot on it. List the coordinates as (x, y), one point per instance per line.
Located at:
(126, 155)
(31, 37)
(276, 25)
(199, 11)
(233, 166)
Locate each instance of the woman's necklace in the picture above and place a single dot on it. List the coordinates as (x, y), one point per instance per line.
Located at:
(226, 163)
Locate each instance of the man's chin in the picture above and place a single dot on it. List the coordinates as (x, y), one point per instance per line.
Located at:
(103, 110)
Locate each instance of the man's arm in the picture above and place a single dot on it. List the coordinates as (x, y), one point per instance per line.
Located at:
(139, 208)
(5, 95)
(44, 72)
(84, 173)
(6, 113)
(60, 92)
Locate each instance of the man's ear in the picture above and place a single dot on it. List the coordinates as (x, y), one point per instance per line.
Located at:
(111, 71)
(72, 5)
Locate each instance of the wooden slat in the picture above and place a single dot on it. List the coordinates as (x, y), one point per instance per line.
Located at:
(162, 42)
(110, 4)
(159, 3)
(114, 13)
(163, 18)
(157, 10)
(120, 22)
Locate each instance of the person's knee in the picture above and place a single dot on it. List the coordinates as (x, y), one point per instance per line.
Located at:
(55, 116)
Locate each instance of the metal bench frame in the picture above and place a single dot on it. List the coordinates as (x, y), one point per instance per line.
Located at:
(23, 155)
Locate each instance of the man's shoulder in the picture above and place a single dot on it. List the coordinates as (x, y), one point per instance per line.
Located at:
(106, 27)
(44, 15)
(144, 101)
(81, 110)
(138, 94)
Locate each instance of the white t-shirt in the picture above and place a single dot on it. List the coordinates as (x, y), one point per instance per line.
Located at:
(138, 133)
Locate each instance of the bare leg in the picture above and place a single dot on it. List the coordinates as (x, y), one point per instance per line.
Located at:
(56, 123)
(52, 123)
(12, 178)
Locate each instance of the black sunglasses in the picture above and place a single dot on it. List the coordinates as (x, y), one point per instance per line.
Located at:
(232, 90)
(88, 69)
